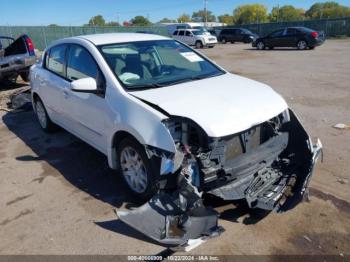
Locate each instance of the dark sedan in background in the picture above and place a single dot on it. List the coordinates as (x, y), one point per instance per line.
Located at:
(299, 37)
(236, 35)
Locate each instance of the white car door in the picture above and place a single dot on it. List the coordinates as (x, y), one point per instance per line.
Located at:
(88, 111)
(51, 82)
(181, 36)
(189, 38)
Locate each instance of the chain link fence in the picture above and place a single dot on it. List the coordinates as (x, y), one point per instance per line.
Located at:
(42, 36)
(332, 27)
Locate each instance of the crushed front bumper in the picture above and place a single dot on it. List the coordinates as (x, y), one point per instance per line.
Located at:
(273, 176)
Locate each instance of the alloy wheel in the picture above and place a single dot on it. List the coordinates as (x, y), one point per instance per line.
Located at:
(133, 169)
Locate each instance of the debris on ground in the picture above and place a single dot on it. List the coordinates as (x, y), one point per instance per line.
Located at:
(21, 99)
(15, 99)
(342, 126)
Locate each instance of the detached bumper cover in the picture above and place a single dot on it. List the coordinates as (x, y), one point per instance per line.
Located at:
(174, 218)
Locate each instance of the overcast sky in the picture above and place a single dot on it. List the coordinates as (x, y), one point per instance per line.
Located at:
(78, 12)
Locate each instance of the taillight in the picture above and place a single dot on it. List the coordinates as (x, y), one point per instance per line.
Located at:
(314, 34)
(30, 46)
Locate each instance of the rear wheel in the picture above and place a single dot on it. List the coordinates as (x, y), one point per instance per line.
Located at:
(301, 44)
(25, 76)
(136, 169)
(44, 120)
(223, 40)
(232, 42)
(260, 45)
(199, 44)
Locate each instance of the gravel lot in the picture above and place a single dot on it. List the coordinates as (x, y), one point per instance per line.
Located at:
(57, 195)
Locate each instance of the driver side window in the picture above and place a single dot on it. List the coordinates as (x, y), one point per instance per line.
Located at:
(81, 64)
(277, 33)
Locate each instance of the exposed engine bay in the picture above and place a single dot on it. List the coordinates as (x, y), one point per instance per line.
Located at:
(269, 165)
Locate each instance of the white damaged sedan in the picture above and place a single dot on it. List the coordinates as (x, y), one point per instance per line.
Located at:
(175, 125)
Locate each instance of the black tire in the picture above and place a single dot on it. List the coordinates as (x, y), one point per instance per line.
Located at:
(152, 175)
(260, 45)
(199, 44)
(47, 125)
(302, 44)
(223, 40)
(25, 76)
(311, 47)
(232, 42)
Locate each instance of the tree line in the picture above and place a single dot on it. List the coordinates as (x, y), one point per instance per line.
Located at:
(243, 14)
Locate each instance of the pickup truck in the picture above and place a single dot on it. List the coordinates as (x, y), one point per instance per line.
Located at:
(16, 57)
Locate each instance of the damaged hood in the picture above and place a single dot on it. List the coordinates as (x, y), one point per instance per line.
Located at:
(221, 105)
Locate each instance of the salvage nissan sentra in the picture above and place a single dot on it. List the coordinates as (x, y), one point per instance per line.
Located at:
(176, 125)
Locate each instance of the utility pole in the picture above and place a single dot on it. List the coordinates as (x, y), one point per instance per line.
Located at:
(206, 13)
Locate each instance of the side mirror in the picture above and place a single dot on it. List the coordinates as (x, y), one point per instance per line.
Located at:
(85, 85)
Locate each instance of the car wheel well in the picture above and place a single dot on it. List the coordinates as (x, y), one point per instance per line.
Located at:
(121, 135)
(36, 97)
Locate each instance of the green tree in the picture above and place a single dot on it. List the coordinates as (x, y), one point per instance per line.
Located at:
(226, 18)
(327, 10)
(199, 16)
(112, 23)
(250, 13)
(53, 25)
(167, 20)
(140, 21)
(286, 13)
(97, 20)
(184, 18)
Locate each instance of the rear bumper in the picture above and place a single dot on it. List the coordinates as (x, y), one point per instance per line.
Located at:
(13, 64)
(316, 42)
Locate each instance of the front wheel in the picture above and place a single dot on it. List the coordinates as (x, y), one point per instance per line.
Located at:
(301, 44)
(199, 44)
(223, 40)
(260, 45)
(136, 169)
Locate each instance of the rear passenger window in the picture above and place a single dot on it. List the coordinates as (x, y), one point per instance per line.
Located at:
(181, 32)
(55, 59)
(291, 31)
(80, 64)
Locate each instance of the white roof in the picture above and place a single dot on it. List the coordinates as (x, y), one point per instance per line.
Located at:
(109, 38)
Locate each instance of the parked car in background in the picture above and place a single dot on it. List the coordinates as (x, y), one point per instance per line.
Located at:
(236, 35)
(195, 37)
(190, 25)
(16, 57)
(299, 37)
(177, 127)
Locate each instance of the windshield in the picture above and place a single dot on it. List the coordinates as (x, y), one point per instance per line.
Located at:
(246, 31)
(152, 64)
